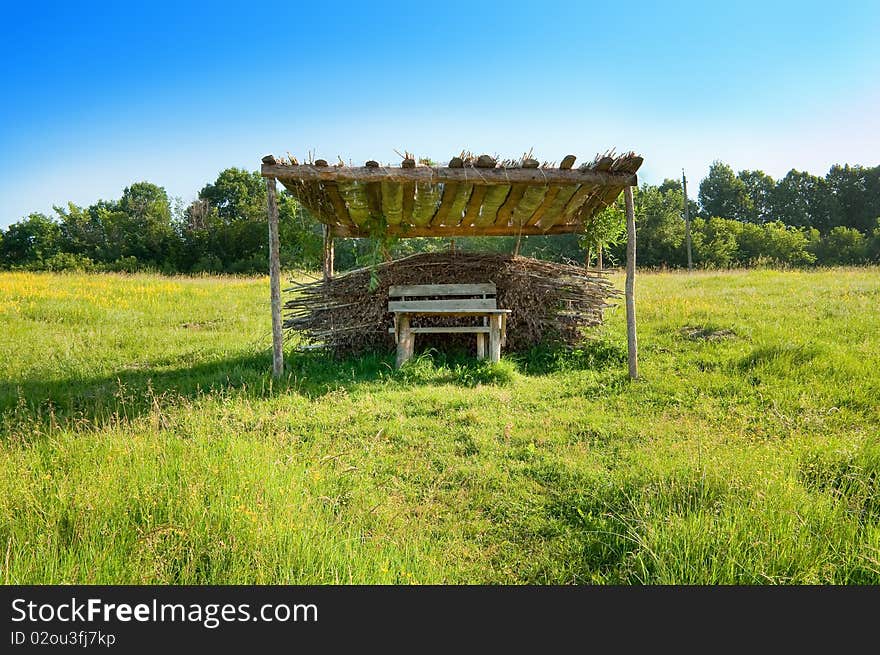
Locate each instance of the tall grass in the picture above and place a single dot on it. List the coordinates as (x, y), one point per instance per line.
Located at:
(142, 440)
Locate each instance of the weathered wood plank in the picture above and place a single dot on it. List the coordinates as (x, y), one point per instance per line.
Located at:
(481, 176)
(407, 195)
(550, 196)
(355, 196)
(494, 198)
(459, 202)
(481, 345)
(495, 339)
(603, 197)
(439, 329)
(553, 212)
(449, 191)
(513, 198)
(577, 201)
(331, 190)
(374, 199)
(530, 201)
(427, 197)
(460, 230)
(404, 339)
(452, 312)
(392, 202)
(442, 289)
(450, 304)
(472, 212)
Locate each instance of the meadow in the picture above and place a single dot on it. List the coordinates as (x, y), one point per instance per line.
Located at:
(143, 440)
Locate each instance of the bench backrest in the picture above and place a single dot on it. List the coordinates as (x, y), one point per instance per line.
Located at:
(426, 297)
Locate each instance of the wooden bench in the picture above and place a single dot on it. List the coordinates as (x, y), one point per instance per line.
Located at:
(452, 300)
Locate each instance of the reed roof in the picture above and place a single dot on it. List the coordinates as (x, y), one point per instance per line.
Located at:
(472, 196)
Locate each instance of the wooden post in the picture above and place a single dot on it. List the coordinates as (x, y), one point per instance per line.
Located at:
(275, 279)
(328, 253)
(481, 345)
(405, 342)
(687, 218)
(631, 341)
(495, 338)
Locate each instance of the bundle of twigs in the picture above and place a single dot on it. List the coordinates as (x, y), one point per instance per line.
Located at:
(550, 301)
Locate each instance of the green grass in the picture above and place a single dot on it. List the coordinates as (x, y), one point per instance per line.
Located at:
(143, 441)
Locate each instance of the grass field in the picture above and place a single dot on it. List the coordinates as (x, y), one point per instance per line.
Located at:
(143, 441)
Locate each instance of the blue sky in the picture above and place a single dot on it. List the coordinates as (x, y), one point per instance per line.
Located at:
(98, 96)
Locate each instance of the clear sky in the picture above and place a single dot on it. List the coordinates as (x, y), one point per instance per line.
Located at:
(97, 96)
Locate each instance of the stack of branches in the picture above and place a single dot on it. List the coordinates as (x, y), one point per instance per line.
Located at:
(551, 302)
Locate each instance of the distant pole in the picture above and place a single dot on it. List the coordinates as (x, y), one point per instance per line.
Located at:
(275, 279)
(631, 341)
(687, 218)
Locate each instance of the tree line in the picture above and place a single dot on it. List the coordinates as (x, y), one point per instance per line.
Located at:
(739, 219)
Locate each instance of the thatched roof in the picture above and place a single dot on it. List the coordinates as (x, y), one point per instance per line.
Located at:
(469, 197)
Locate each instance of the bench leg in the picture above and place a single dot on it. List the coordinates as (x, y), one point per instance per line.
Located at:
(481, 345)
(405, 341)
(494, 338)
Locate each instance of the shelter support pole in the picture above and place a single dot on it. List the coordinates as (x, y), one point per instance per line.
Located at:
(328, 253)
(275, 278)
(631, 340)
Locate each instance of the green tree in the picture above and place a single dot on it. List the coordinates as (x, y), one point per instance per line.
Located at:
(30, 242)
(226, 228)
(237, 195)
(799, 199)
(668, 185)
(659, 227)
(853, 196)
(139, 226)
(759, 188)
(83, 231)
(723, 194)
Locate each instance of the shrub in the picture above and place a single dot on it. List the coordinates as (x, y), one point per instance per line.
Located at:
(785, 245)
(874, 244)
(207, 264)
(65, 261)
(128, 264)
(715, 241)
(843, 245)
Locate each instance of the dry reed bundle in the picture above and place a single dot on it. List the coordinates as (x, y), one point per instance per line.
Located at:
(550, 302)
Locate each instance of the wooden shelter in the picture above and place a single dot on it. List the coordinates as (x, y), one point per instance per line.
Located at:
(469, 197)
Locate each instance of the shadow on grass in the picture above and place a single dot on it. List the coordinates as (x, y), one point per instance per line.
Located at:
(592, 354)
(132, 392)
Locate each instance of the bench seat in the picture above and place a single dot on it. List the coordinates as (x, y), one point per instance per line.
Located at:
(441, 329)
(448, 300)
